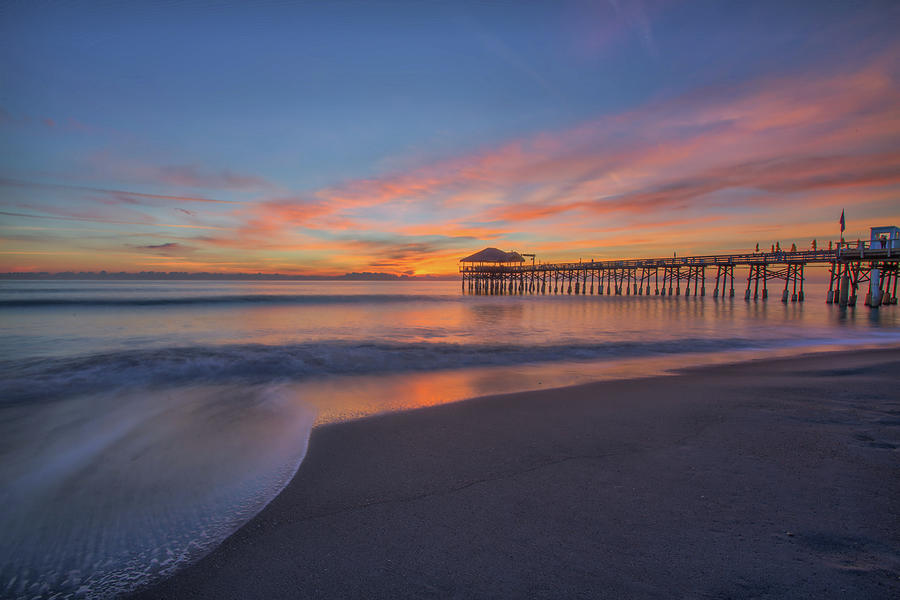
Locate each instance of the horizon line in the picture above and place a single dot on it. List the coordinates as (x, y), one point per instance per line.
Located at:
(187, 275)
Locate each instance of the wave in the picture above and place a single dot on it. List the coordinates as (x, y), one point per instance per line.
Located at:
(224, 299)
(46, 378)
(110, 456)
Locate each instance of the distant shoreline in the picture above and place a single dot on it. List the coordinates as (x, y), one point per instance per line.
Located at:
(180, 276)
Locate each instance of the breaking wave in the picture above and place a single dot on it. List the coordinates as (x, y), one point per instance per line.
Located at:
(103, 493)
(47, 378)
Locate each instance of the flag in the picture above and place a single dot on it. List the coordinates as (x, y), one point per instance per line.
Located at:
(843, 223)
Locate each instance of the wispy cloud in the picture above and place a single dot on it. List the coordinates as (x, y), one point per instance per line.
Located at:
(599, 26)
(777, 138)
(721, 165)
(121, 195)
(97, 218)
(178, 175)
(166, 249)
(193, 176)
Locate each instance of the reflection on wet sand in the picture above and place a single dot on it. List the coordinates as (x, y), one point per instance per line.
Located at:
(346, 398)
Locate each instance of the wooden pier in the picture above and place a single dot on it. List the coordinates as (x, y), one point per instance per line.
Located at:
(851, 266)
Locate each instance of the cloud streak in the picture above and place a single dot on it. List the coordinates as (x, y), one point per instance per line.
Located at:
(121, 195)
(170, 249)
(193, 176)
(101, 219)
(713, 154)
(721, 165)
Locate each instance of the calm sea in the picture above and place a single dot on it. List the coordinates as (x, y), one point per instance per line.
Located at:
(143, 422)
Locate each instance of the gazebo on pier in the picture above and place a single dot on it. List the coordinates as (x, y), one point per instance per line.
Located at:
(489, 271)
(493, 256)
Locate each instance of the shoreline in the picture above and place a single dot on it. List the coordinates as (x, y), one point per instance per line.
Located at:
(769, 477)
(341, 399)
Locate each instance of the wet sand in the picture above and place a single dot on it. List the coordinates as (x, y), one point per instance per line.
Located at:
(771, 479)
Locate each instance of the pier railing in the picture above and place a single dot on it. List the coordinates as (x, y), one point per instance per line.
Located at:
(851, 264)
(820, 256)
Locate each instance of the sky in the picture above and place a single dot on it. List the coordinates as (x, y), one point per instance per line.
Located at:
(398, 137)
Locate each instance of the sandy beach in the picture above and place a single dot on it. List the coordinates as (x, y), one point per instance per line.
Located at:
(770, 479)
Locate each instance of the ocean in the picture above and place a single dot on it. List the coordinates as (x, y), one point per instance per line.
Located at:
(143, 422)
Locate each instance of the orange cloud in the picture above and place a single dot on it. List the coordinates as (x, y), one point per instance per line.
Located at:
(712, 170)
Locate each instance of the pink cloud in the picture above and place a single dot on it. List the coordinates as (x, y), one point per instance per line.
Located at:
(697, 171)
(780, 136)
(697, 164)
(184, 176)
(193, 176)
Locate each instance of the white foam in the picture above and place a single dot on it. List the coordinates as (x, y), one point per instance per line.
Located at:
(104, 493)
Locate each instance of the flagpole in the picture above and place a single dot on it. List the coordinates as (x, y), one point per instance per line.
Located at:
(843, 226)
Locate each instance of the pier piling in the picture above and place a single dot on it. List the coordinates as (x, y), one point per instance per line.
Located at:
(848, 269)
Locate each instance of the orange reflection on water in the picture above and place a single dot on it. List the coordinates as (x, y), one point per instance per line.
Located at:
(348, 398)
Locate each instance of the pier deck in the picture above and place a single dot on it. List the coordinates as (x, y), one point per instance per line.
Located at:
(851, 265)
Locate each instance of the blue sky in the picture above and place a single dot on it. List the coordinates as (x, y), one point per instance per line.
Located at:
(275, 110)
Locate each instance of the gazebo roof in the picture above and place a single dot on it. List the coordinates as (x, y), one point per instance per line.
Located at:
(493, 255)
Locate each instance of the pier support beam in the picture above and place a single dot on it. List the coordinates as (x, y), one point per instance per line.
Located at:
(874, 295)
(844, 297)
(787, 281)
(829, 297)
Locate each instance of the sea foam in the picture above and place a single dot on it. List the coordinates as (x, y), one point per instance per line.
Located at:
(111, 491)
(48, 378)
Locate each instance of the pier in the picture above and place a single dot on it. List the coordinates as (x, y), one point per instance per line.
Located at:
(871, 264)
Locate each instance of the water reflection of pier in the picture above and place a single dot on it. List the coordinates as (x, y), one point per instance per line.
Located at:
(851, 266)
